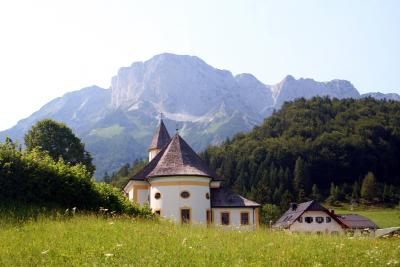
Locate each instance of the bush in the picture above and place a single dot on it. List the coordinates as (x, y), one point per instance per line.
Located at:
(34, 177)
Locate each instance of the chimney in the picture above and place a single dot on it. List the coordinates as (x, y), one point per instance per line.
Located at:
(293, 206)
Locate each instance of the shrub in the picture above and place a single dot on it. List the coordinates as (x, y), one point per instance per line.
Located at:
(34, 177)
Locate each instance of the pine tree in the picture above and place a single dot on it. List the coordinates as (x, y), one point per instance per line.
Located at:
(368, 187)
(387, 195)
(333, 194)
(355, 195)
(315, 193)
(286, 199)
(301, 179)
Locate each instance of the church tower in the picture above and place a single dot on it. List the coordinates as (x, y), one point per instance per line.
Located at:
(160, 139)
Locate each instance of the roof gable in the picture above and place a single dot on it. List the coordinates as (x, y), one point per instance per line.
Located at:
(291, 215)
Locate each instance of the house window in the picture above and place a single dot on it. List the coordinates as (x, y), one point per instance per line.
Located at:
(225, 218)
(207, 195)
(308, 219)
(300, 219)
(185, 194)
(328, 219)
(185, 215)
(319, 219)
(244, 218)
(157, 195)
(158, 212)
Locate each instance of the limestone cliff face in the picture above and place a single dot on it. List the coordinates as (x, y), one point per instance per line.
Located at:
(290, 88)
(206, 104)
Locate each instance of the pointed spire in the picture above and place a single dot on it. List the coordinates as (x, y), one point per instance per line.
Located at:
(161, 137)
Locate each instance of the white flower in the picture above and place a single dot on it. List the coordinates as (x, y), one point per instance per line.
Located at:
(45, 252)
(108, 255)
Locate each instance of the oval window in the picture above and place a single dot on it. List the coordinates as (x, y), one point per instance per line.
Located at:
(157, 195)
(185, 194)
(208, 195)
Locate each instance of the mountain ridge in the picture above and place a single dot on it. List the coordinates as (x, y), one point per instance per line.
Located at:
(207, 104)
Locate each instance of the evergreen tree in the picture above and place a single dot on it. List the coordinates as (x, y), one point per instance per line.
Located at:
(315, 193)
(286, 199)
(333, 194)
(355, 195)
(387, 195)
(301, 179)
(368, 187)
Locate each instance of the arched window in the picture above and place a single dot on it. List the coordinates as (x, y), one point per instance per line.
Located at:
(185, 194)
(157, 195)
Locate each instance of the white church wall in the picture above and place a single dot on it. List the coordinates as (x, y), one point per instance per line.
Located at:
(314, 227)
(234, 216)
(138, 191)
(171, 202)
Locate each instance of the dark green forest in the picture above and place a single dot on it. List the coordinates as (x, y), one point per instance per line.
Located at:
(322, 148)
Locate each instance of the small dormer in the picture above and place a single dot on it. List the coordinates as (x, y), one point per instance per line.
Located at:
(160, 139)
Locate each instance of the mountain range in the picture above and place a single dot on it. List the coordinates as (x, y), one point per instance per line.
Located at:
(207, 105)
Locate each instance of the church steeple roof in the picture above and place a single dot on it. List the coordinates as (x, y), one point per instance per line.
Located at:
(161, 137)
(175, 159)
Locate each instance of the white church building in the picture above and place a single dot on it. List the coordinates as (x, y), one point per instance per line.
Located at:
(179, 186)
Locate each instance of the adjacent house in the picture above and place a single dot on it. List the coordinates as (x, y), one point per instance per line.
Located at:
(178, 185)
(311, 217)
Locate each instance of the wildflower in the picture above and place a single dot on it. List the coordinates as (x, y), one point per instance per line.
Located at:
(111, 223)
(45, 252)
(108, 255)
(392, 262)
(119, 245)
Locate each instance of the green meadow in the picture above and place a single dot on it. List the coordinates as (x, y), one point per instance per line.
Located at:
(90, 240)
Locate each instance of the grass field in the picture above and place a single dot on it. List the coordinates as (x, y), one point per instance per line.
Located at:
(92, 241)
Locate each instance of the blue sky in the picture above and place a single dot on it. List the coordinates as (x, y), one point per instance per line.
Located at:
(49, 47)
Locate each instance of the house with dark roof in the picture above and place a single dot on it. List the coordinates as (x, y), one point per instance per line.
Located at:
(178, 185)
(312, 217)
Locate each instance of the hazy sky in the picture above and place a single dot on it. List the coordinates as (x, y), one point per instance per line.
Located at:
(51, 47)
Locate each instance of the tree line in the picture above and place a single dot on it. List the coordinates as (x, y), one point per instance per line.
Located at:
(324, 149)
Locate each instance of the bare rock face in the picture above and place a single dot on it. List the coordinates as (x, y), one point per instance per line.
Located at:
(290, 88)
(208, 105)
(381, 96)
(186, 86)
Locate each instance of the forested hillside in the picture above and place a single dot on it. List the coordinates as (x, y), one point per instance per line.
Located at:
(320, 148)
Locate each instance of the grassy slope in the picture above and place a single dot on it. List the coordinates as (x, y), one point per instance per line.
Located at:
(88, 240)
